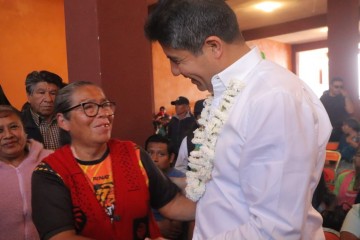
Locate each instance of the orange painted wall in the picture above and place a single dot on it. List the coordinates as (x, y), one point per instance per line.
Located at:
(274, 51)
(32, 38)
(168, 88)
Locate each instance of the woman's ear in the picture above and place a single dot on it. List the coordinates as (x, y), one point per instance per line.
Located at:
(62, 122)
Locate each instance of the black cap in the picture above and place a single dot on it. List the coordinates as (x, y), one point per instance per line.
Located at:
(180, 100)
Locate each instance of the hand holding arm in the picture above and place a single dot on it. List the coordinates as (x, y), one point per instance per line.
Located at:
(349, 106)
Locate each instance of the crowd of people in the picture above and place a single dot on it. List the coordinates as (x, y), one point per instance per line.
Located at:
(227, 170)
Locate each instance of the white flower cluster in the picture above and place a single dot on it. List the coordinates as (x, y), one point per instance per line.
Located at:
(205, 138)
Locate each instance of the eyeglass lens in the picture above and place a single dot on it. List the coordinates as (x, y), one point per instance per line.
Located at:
(92, 109)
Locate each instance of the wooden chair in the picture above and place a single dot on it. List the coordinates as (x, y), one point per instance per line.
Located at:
(332, 160)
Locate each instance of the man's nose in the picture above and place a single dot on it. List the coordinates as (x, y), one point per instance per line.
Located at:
(174, 69)
(48, 97)
(154, 157)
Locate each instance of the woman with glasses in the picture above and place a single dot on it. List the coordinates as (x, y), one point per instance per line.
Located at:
(96, 187)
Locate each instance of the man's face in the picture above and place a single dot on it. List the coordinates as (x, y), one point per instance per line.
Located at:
(159, 154)
(195, 67)
(42, 98)
(336, 87)
(181, 109)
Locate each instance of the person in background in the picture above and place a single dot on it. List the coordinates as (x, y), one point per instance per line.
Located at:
(180, 123)
(97, 187)
(39, 119)
(186, 145)
(338, 105)
(350, 229)
(160, 151)
(249, 177)
(323, 198)
(347, 183)
(18, 158)
(349, 143)
(332, 222)
(160, 122)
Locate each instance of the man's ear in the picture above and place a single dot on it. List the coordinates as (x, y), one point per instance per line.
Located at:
(28, 97)
(215, 44)
(62, 122)
(172, 157)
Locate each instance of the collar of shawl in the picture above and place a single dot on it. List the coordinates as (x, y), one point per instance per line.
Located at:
(201, 160)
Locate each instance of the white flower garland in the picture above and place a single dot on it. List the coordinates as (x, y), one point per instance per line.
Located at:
(205, 138)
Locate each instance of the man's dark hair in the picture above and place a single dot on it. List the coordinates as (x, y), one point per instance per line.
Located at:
(185, 24)
(41, 76)
(336, 79)
(156, 138)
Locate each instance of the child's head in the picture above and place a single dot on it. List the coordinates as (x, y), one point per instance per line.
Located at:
(160, 151)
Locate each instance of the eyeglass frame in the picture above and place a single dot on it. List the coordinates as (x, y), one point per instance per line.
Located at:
(112, 106)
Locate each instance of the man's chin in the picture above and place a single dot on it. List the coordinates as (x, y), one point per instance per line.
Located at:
(199, 86)
(46, 114)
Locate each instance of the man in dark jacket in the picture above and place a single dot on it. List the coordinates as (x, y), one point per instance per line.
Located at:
(338, 105)
(180, 123)
(37, 114)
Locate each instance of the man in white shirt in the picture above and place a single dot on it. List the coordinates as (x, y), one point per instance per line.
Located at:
(260, 154)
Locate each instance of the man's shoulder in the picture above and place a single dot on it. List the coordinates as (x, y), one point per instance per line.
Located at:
(176, 173)
(25, 113)
(173, 120)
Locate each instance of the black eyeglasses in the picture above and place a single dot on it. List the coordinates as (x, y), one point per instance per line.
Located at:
(91, 109)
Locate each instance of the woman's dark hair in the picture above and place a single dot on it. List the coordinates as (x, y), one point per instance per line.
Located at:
(6, 110)
(63, 101)
(334, 218)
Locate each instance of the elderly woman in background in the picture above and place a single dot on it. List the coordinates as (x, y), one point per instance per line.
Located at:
(18, 158)
(97, 187)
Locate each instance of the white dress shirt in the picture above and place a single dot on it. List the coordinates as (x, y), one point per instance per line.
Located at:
(183, 156)
(268, 157)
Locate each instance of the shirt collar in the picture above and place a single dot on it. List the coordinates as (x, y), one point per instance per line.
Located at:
(38, 119)
(237, 70)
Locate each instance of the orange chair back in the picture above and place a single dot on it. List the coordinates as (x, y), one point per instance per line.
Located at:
(333, 156)
(332, 160)
(332, 146)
